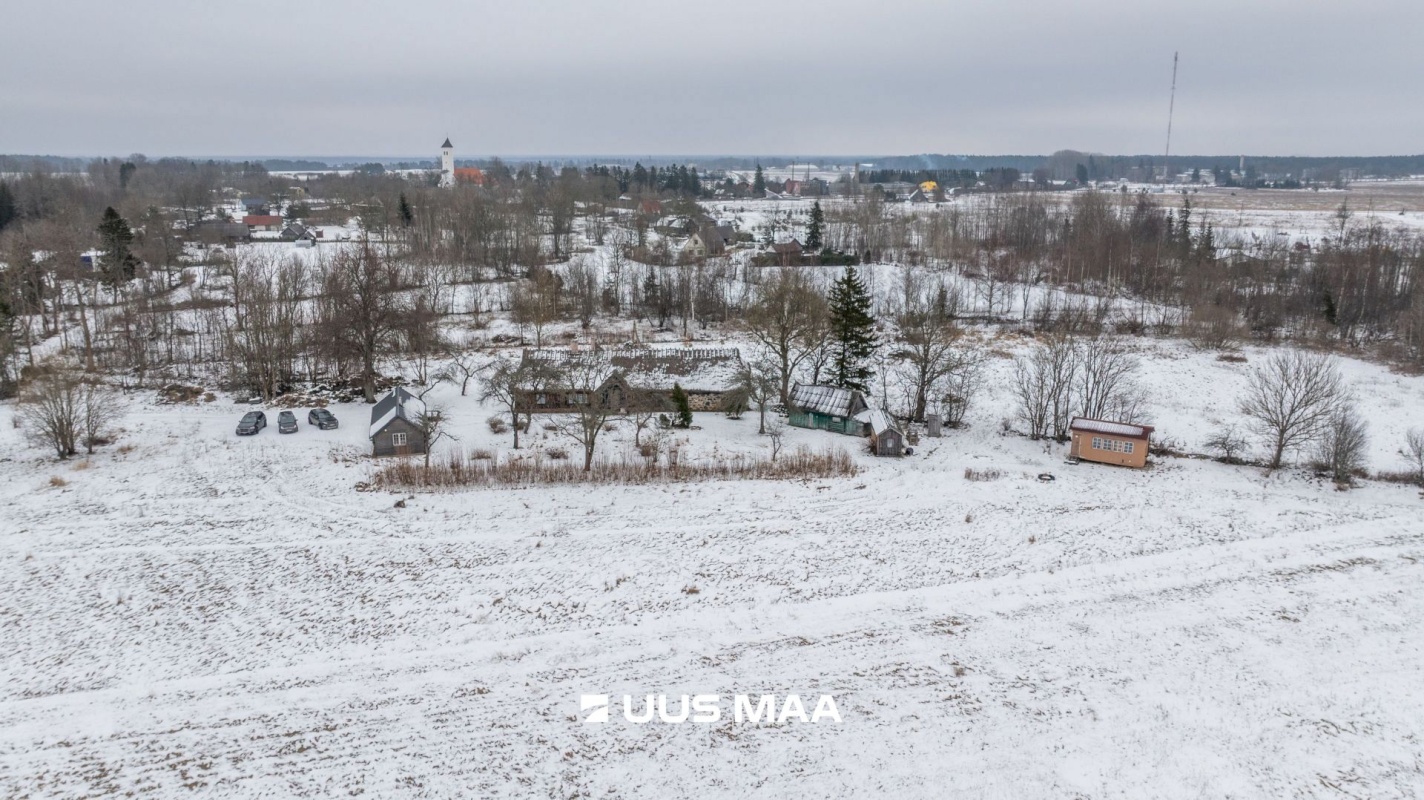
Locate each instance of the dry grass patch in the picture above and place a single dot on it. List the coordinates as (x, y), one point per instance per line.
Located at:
(462, 469)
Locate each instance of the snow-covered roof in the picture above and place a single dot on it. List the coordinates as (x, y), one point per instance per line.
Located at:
(879, 422)
(833, 400)
(398, 403)
(876, 418)
(1111, 428)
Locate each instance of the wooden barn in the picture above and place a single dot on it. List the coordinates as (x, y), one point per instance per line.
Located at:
(885, 438)
(641, 379)
(395, 425)
(826, 408)
(1109, 442)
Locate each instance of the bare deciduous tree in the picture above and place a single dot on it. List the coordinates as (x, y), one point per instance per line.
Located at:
(464, 366)
(1105, 385)
(1290, 398)
(510, 383)
(51, 410)
(61, 409)
(1340, 450)
(100, 407)
(583, 290)
(362, 312)
(928, 350)
(1043, 384)
(582, 379)
(776, 434)
(758, 384)
(535, 303)
(432, 426)
(956, 392)
(1229, 442)
(788, 318)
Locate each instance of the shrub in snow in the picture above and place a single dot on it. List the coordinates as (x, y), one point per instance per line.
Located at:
(1414, 453)
(1341, 449)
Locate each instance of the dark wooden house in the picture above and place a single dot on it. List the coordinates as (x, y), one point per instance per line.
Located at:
(396, 425)
(639, 379)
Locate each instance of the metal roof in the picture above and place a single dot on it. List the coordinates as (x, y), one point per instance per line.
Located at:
(397, 403)
(1111, 428)
(833, 400)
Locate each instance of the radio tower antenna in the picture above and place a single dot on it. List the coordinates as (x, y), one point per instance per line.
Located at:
(1171, 107)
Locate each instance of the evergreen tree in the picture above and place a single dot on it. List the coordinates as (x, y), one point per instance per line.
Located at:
(8, 212)
(682, 406)
(759, 183)
(650, 295)
(853, 341)
(694, 183)
(116, 237)
(813, 235)
(126, 171)
(407, 214)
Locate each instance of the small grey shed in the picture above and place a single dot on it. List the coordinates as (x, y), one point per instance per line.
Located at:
(396, 424)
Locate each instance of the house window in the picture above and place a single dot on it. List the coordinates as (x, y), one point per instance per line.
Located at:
(541, 399)
(398, 440)
(1127, 447)
(580, 398)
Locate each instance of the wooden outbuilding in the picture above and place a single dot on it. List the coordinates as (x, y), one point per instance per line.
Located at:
(1108, 442)
(827, 408)
(396, 428)
(885, 438)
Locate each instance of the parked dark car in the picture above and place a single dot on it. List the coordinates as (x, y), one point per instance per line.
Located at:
(252, 422)
(323, 419)
(286, 422)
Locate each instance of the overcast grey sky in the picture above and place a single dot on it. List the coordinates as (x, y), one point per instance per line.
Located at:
(636, 77)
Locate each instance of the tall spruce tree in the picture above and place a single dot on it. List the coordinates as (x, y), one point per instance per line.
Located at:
(8, 211)
(814, 233)
(407, 214)
(116, 237)
(853, 341)
(759, 183)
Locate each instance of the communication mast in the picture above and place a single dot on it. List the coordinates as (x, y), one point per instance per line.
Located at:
(1171, 107)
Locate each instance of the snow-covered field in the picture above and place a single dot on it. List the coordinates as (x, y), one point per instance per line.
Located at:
(203, 614)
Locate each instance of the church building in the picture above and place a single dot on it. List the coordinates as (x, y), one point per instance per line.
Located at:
(447, 163)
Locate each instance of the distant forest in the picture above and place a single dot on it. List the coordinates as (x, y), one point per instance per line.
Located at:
(1101, 167)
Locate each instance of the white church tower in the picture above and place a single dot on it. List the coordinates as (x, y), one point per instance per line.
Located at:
(447, 163)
